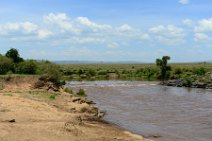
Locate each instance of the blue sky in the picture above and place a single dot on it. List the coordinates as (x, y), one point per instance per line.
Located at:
(108, 30)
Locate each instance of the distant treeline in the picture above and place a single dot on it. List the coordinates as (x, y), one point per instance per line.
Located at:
(144, 72)
(12, 63)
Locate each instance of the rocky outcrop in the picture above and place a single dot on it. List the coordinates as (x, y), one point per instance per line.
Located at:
(185, 83)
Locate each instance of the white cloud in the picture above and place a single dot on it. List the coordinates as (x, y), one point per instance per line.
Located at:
(168, 31)
(62, 21)
(187, 22)
(42, 34)
(202, 37)
(86, 40)
(29, 27)
(145, 36)
(125, 28)
(204, 25)
(168, 34)
(82, 31)
(23, 31)
(184, 1)
(9, 28)
(203, 30)
(92, 25)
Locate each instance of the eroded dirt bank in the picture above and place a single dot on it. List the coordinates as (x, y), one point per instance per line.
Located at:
(27, 114)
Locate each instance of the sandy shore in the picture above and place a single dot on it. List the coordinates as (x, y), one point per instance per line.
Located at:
(31, 115)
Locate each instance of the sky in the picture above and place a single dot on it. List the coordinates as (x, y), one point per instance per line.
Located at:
(107, 30)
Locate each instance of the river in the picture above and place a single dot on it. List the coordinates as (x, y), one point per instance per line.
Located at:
(149, 109)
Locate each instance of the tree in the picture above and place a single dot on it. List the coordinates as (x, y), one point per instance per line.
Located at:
(14, 55)
(5, 64)
(27, 67)
(162, 63)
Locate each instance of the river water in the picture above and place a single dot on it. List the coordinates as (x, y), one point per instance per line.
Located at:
(148, 109)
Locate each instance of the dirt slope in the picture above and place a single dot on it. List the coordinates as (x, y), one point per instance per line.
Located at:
(27, 118)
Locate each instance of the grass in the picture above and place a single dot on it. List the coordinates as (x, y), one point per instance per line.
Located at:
(7, 94)
(40, 95)
(69, 90)
(52, 97)
(4, 110)
(81, 93)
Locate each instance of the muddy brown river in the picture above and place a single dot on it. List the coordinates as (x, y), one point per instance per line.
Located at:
(148, 109)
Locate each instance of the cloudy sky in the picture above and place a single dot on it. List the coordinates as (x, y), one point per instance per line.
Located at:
(107, 30)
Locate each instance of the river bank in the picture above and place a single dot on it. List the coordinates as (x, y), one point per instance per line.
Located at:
(187, 83)
(29, 114)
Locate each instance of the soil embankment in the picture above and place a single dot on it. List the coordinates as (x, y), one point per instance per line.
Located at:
(27, 114)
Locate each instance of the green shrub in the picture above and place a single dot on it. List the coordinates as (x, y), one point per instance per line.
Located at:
(52, 97)
(199, 71)
(68, 90)
(81, 92)
(91, 72)
(5, 64)
(187, 82)
(80, 72)
(178, 71)
(49, 73)
(102, 72)
(27, 67)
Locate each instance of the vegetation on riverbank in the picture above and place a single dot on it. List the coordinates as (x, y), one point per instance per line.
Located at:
(189, 74)
(194, 71)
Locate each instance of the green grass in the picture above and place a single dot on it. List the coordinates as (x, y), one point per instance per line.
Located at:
(40, 95)
(8, 94)
(81, 93)
(68, 90)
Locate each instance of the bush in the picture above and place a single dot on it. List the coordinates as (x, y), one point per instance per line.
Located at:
(102, 72)
(49, 73)
(52, 97)
(91, 72)
(178, 71)
(81, 92)
(5, 64)
(187, 82)
(68, 90)
(80, 72)
(27, 67)
(199, 71)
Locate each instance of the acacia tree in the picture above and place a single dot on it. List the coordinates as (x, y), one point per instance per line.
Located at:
(14, 55)
(162, 63)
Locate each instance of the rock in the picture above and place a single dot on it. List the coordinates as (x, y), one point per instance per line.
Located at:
(175, 83)
(154, 136)
(10, 120)
(81, 100)
(209, 85)
(90, 102)
(77, 99)
(199, 85)
(101, 114)
(49, 86)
